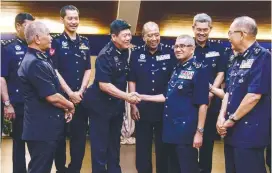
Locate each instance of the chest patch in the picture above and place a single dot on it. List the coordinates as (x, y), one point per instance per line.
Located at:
(247, 63)
(184, 74)
(212, 54)
(163, 57)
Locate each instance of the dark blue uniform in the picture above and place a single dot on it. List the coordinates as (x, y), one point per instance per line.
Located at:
(13, 52)
(246, 140)
(187, 89)
(151, 73)
(105, 111)
(72, 58)
(43, 122)
(212, 55)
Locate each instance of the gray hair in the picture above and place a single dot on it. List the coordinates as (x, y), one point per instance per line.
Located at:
(147, 25)
(188, 39)
(202, 18)
(247, 24)
(33, 29)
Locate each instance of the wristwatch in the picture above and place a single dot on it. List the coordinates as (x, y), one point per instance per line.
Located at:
(231, 117)
(200, 130)
(6, 103)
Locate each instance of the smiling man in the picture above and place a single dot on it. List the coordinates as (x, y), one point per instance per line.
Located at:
(151, 66)
(70, 54)
(211, 54)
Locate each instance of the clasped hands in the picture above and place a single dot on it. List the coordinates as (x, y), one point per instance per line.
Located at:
(133, 98)
(222, 125)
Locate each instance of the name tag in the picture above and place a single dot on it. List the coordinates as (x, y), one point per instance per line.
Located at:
(212, 54)
(20, 53)
(163, 57)
(186, 74)
(247, 63)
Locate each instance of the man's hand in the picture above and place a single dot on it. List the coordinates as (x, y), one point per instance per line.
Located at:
(228, 124)
(222, 131)
(134, 112)
(68, 116)
(198, 139)
(9, 112)
(133, 98)
(75, 97)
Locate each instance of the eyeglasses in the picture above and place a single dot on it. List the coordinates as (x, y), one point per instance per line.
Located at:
(181, 46)
(232, 32)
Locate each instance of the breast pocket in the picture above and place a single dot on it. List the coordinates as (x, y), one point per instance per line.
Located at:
(241, 76)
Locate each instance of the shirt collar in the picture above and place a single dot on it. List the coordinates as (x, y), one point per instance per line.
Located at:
(159, 49)
(38, 53)
(66, 36)
(116, 50)
(207, 44)
(21, 41)
(249, 50)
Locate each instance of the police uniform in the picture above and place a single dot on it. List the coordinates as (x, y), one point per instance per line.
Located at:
(187, 89)
(151, 73)
(72, 58)
(13, 52)
(212, 55)
(43, 122)
(105, 111)
(246, 140)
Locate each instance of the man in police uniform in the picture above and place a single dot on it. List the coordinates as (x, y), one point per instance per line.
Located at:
(45, 109)
(246, 109)
(151, 66)
(186, 101)
(211, 54)
(105, 99)
(70, 54)
(13, 52)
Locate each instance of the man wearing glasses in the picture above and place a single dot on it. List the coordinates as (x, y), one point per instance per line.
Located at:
(211, 55)
(186, 102)
(246, 109)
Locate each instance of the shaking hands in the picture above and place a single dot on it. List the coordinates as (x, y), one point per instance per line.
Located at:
(133, 98)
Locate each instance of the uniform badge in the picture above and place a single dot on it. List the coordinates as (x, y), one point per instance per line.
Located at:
(184, 74)
(19, 52)
(52, 51)
(17, 47)
(241, 80)
(257, 50)
(164, 68)
(212, 54)
(213, 65)
(197, 65)
(247, 63)
(189, 68)
(64, 44)
(116, 59)
(163, 57)
(83, 46)
(142, 58)
(180, 87)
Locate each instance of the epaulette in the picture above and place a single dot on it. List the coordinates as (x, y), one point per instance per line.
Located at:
(55, 35)
(109, 50)
(85, 38)
(257, 50)
(197, 64)
(6, 42)
(135, 48)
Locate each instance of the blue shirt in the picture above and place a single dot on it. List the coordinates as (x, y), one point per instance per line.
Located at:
(187, 89)
(71, 58)
(111, 67)
(42, 120)
(12, 54)
(151, 73)
(212, 56)
(251, 73)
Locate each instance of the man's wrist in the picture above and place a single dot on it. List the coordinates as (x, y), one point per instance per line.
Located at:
(7, 103)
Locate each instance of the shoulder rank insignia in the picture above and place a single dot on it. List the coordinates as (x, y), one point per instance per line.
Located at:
(83, 46)
(197, 64)
(257, 50)
(6, 42)
(85, 38)
(55, 35)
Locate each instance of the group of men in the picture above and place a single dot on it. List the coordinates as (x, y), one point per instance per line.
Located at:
(175, 95)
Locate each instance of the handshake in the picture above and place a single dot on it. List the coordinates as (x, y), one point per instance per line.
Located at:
(133, 98)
